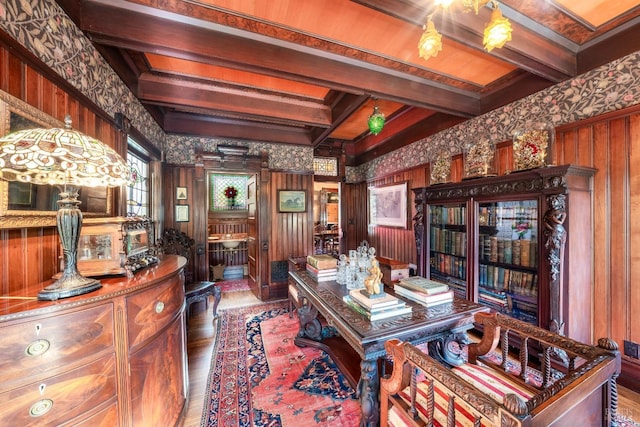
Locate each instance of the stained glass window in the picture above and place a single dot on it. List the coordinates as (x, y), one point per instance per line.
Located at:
(327, 166)
(138, 189)
(227, 191)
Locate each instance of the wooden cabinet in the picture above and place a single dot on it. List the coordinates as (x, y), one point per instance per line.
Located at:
(521, 244)
(113, 357)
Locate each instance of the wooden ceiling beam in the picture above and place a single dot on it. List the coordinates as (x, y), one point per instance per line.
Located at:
(120, 27)
(527, 50)
(182, 92)
(422, 129)
(343, 106)
(191, 124)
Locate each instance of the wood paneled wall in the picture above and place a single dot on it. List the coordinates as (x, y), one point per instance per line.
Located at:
(291, 233)
(31, 255)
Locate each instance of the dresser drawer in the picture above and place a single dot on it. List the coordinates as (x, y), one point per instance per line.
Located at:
(151, 310)
(53, 400)
(107, 417)
(42, 345)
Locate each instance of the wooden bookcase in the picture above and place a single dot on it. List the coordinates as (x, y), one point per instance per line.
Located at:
(520, 243)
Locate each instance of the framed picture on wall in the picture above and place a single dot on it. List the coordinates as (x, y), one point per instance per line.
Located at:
(181, 193)
(292, 201)
(388, 205)
(182, 213)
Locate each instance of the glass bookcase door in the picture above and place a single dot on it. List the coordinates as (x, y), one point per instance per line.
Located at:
(448, 246)
(508, 257)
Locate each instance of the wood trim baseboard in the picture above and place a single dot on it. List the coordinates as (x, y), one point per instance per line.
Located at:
(630, 376)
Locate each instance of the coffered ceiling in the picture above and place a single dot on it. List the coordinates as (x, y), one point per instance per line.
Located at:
(308, 72)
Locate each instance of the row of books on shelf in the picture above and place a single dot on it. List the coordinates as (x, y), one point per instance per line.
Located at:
(500, 278)
(448, 241)
(448, 215)
(521, 252)
(508, 304)
(424, 291)
(449, 264)
(376, 307)
(492, 215)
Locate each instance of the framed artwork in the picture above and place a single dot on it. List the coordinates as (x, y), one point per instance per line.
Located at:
(388, 205)
(292, 201)
(181, 193)
(182, 213)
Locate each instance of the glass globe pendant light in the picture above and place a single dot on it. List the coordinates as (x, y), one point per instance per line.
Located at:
(376, 121)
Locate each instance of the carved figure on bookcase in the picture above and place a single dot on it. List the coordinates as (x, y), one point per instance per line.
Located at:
(556, 237)
(418, 226)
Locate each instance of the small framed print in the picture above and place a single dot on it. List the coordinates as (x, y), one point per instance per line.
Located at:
(182, 213)
(292, 201)
(181, 193)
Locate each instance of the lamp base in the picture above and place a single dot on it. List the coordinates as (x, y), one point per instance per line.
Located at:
(69, 286)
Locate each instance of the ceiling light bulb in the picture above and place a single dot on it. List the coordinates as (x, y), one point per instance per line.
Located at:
(498, 30)
(443, 3)
(431, 41)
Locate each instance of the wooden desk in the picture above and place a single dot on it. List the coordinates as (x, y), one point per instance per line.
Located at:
(434, 325)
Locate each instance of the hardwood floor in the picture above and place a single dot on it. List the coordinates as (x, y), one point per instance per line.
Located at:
(200, 340)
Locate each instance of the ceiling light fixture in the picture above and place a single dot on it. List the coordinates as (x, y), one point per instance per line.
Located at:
(376, 120)
(69, 159)
(496, 33)
(430, 42)
(498, 30)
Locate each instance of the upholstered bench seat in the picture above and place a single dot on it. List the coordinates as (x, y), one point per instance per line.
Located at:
(483, 378)
(555, 381)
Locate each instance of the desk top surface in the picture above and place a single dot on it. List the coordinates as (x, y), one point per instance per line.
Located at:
(422, 324)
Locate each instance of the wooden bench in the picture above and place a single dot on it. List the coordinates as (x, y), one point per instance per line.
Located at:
(554, 381)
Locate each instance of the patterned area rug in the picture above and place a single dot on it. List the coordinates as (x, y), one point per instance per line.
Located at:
(233, 285)
(260, 378)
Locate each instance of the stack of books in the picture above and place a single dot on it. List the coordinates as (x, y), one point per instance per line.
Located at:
(376, 308)
(427, 292)
(322, 268)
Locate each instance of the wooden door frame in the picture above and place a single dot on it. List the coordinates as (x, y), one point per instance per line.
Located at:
(230, 159)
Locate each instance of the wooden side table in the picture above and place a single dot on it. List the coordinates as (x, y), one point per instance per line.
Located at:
(200, 291)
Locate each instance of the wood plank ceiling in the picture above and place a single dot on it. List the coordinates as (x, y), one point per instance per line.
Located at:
(309, 72)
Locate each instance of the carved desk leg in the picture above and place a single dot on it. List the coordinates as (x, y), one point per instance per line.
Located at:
(368, 391)
(310, 326)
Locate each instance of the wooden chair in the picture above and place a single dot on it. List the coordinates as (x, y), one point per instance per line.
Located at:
(574, 383)
(178, 243)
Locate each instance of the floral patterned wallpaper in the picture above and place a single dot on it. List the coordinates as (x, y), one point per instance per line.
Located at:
(607, 88)
(43, 28)
(181, 150)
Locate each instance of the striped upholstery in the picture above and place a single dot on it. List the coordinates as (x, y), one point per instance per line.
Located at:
(483, 378)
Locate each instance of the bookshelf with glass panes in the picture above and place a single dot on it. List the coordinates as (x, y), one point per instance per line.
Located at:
(517, 243)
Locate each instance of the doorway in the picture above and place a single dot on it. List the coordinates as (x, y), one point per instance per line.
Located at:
(327, 232)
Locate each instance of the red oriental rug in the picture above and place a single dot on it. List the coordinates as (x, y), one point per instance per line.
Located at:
(259, 377)
(233, 285)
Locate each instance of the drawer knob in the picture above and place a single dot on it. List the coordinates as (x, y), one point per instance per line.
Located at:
(41, 407)
(37, 347)
(159, 307)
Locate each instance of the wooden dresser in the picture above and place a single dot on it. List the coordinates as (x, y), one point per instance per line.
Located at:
(113, 357)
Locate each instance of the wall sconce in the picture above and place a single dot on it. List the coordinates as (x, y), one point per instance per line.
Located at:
(376, 121)
(70, 159)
